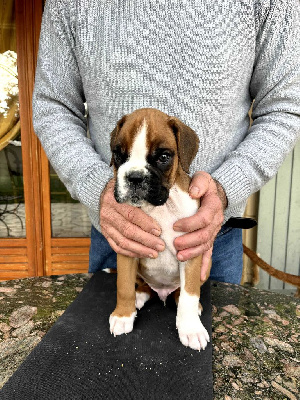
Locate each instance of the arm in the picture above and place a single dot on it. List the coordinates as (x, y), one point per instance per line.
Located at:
(275, 85)
(60, 123)
(59, 113)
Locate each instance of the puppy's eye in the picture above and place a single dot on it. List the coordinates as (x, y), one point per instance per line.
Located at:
(119, 156)
(164, 158)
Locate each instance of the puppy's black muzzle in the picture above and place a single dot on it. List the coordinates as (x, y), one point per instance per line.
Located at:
(157, 193)
(143, 187)
(136, 178)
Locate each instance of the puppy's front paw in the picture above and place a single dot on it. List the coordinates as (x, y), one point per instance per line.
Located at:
(120, 325)
(192, 333)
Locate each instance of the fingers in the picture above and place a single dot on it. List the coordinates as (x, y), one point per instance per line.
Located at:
(128, 247)
(203, 183)
(125, 237)
(209, 213)
(202, 238)
(128, 229)
(132, 214)
(200, 184)
(138, 218)
(202, 228)
(200, 244)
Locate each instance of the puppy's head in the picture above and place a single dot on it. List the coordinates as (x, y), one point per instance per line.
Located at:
(147, 148)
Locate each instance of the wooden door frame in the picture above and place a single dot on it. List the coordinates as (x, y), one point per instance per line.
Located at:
(38, 253)
(62, 255)
(24, 256)
(28, 23)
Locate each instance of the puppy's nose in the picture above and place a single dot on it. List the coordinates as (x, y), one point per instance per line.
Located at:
(136, 177)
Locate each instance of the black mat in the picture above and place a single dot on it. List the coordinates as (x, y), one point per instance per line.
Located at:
(80, 359)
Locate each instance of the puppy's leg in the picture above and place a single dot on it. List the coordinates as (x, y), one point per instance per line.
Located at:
(190, 329)
(176, 295)
(200, 308)
(122, 319)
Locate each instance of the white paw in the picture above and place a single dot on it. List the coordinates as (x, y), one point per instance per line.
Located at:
(140, 299)
(120, 325)
(107, 270)
(192, 333)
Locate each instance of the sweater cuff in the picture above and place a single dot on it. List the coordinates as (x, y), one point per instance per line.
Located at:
(90, 187)
(234, 182)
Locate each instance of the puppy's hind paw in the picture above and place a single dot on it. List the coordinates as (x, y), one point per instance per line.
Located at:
(120, 325)
(200, 309)
(140, 299)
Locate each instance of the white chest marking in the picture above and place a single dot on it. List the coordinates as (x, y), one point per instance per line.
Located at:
(179, 205)
(163, 272)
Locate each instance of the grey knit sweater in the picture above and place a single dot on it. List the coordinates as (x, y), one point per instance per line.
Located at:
(203, 61)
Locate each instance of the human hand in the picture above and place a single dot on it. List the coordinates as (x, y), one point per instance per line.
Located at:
(202, 228)
(128, 230)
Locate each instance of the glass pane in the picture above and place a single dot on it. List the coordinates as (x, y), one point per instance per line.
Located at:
(69, 218)
(12, 210)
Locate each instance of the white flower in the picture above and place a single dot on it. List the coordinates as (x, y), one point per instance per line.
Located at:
(8, 81)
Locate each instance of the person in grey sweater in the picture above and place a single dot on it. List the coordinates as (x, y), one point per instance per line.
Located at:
(203, 62)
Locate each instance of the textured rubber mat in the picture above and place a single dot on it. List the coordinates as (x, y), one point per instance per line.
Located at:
(80, 359)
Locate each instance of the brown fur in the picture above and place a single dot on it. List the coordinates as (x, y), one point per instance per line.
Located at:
(192, 276)
(126, 278)
(182, 139)
(182, 179)
(187, 142)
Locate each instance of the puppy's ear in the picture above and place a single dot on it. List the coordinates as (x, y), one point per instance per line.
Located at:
(114, 135)
(187, 142)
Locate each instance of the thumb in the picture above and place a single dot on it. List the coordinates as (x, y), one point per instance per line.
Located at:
(199, 184)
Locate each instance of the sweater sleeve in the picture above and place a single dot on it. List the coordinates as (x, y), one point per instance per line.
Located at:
(59, 113)
(275, 86)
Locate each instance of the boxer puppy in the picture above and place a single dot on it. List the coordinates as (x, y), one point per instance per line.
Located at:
(151, 155)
